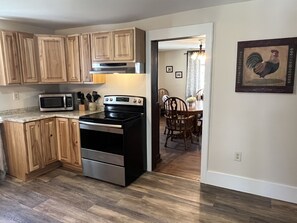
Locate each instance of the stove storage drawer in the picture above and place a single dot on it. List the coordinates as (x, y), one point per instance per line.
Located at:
(102, 156)
(104, 171)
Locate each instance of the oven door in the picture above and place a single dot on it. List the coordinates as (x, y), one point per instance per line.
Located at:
(102, 142)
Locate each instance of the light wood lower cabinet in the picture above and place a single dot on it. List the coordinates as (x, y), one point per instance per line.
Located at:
(34, 148)
(49, 140)
(69, 142)
(31, 148)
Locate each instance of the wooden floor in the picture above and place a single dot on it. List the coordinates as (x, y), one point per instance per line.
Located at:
(63, 196)
(176, 160)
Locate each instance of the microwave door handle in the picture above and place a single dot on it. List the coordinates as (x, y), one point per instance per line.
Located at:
(64, 100)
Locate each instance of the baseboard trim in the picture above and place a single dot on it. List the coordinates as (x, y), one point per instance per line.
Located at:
(253, 186)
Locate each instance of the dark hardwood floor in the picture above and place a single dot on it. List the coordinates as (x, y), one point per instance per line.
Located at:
(176, 160)
(63, 196)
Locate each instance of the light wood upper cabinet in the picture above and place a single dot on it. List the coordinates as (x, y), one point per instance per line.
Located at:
(52, 58)
(49, 140)
(9, 59)
(123, 42)
(73, 60)
(85, 57)
(126, 45)
(102, 48)
(34, 146)
(28, 57)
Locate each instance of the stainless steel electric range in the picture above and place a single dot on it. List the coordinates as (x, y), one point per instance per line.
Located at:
(113, 142)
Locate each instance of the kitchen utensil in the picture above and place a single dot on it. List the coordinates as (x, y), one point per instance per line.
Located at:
(95, 96)
(89, 97)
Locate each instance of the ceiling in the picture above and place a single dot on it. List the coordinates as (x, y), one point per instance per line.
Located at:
(62, 14)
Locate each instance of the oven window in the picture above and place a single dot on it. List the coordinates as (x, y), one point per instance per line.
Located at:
(52, 102)
(102, 141)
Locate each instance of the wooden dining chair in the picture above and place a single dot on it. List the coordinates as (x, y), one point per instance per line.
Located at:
(161, 93)
(178, 121)
(199, 96)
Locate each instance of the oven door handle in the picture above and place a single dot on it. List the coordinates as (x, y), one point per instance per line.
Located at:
(101, 124)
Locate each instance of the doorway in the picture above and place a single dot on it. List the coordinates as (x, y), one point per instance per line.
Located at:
(175, 57)
(153, 37)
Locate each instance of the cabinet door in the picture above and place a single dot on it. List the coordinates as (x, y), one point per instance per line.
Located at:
(75, 142)
(123, 41)
(63, 139)
(35, 156)
(49, 140)
(73, 65)
(52, 59)
(85, 57)
(102, 46)
(28, 57)
(10, 57)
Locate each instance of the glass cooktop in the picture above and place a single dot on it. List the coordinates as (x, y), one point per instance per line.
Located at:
(110, 117)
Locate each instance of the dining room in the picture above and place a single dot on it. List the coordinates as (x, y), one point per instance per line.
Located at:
(181, 71)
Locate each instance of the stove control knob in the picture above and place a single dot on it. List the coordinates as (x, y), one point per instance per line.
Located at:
(106, 99)
(111, 99)
(134, 101)
(139, 101)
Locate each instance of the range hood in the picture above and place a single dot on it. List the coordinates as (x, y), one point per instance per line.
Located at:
(118, 68)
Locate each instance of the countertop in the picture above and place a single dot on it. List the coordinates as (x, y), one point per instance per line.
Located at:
(30, 116)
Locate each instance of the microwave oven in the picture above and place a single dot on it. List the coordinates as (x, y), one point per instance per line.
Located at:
(56, 102)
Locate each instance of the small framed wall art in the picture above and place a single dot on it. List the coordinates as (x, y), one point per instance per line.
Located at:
(169, 69)
(178, 74)
(266, 65)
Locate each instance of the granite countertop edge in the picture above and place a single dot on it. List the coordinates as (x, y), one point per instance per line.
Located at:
(37, 115)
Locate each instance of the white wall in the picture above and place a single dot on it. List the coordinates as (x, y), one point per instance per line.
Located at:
(177, 59)
(29, 93)
(261, 126)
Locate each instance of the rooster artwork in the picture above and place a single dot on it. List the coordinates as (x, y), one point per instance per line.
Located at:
(260, 67)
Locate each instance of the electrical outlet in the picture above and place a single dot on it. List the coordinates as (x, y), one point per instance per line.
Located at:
(16, 96)
(237, 156)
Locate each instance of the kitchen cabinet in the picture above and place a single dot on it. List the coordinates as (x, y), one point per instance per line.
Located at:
(49, 140)
(52, 58)
(34, 148)
(102, 46)
(30, 148)
(27, 52)
(73, 60)
(125, 45)
(69, 142)
(123, 42)
(85, 57)
(9, 59)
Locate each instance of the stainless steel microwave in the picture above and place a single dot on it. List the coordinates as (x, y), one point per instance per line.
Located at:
(56, 102)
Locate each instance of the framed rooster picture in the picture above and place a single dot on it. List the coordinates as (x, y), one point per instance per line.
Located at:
(266, 65)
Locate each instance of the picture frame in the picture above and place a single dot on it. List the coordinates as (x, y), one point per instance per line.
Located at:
(169, 69)
(266, 66)
(178, 74)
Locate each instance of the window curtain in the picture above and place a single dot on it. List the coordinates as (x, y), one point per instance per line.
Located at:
(195, 74)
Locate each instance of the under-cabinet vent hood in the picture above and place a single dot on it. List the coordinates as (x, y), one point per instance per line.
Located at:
(118, 68)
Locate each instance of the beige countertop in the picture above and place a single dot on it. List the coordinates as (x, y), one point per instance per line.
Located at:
(37, 115)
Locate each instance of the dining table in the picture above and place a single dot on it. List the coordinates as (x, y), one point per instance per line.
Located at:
(196, 109)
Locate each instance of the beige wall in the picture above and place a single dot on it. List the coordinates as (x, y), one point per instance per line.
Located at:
(177, 59)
